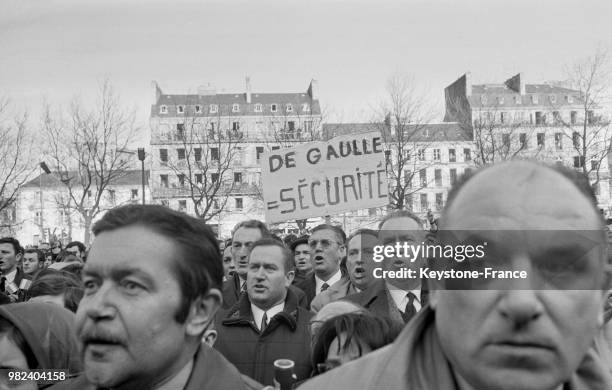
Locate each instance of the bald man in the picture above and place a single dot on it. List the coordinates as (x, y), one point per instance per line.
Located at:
(530, 332)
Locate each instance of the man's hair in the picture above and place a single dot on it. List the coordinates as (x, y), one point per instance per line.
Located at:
(252, 224)
(336, 229)
(14, 242)
(578, 179)
(39, 254)
(361, 328)
(81, 246)
(400, 214)
(360, 232)
(58, 283)
(198, 266)
(288, 260)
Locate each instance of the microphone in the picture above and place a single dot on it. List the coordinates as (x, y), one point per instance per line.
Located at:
(284, 375)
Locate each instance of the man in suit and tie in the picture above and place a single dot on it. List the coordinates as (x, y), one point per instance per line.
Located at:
(327, 249)
(400, 298)
(10, 274)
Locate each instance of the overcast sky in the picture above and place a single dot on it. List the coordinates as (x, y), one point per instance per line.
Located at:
(61, 48)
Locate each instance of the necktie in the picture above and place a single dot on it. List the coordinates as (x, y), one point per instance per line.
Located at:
(410, 310)
(2, 282)
(324, 287)
(264, 322)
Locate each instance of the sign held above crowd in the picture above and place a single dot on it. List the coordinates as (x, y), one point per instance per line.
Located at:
(324, 178)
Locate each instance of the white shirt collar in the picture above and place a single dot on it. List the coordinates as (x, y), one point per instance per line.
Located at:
(10, 277)
(330, 282)
(400, 297)
(271, 312)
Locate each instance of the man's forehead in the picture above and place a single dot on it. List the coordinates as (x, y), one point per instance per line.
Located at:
(266, 253)
(5, 246)
(324, 233)
(246, 234)
(302, 247)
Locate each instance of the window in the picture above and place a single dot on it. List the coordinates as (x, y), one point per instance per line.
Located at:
(421, 154)
(291, 126)
(197, 154)
(576, 139)
(424, 204)
(423, 177)
(452, 157)
(408, 202)
(198, 178)
(235, 126)
(308, 126)
(213, 108)
(181, 180)
(258, 107)
(578, 161)
(594, 165)
(553, 98)
(540, 139)
(573, 117)
(517, 100)
(273, 108)
(596, 188)
(163, 109)
(214, 154)
(214, 177)
(163, 155)
(289, 107)
(111, 196)
(306, 107)
(467, 154)
(407, 155)
(216, 204)
(163, 179)
(523, 140)
(235, 107)
(180, 153)
(165, 203)
(436, 154)
(540, 118)
(182, 205)
(438, 177)
(453, 176)
(591, 117)
(500, 100)
(180, 131)
(483, 100)
(134, 193)
(275, 147)
(559, 141)
(237, 177)
(503, 117)
(506, 141)
(239, 204)
(180, 109)
(408, 179)
(259, 150)
(439, 201)
(569, 98)
(556, 117)
(534, 99)
(198, 109)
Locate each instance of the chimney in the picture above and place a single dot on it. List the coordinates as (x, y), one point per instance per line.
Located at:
(313, 89)
(516, 83)
(468, 83)
(248, 89)
(158, 91)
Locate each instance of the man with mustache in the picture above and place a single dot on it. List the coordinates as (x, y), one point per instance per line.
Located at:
(152, 286)
(530, 332)
(397, 298)
(360, 266)
(267, 323)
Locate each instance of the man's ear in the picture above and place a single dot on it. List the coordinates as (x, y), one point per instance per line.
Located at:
(290, 276)
(202, 311)
(210, 336)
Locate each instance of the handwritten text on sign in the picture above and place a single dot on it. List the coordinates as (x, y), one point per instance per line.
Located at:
(324, 178)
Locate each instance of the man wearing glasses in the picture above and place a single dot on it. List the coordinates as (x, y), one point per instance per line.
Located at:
(327, 249)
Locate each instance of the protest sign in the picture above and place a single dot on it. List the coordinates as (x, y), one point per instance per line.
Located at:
(324, 178)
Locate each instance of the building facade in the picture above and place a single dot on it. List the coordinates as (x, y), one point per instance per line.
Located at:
(206, 148)
(545, 122)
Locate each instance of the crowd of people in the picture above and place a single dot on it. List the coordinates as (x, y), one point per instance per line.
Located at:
(158, 303)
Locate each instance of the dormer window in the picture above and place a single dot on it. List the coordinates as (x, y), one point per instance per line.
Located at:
(180, 109)
(289, 107)
(553, 98)
(500, 100)
(483, 99)
(198, 109)
(534, 99)
(163, 109)
(517, 100)
(258, 107)
(273, 107)
(569, 98)
(213, 108)
(306, 107)
(235, 107)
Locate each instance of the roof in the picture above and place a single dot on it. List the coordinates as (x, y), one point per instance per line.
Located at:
(131, 177)
(227, 100)
(429, 132)
(500, 95)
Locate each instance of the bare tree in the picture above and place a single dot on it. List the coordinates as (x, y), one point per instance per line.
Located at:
(87, 148)
(15, 169)
(406, 113)
(206, 159)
